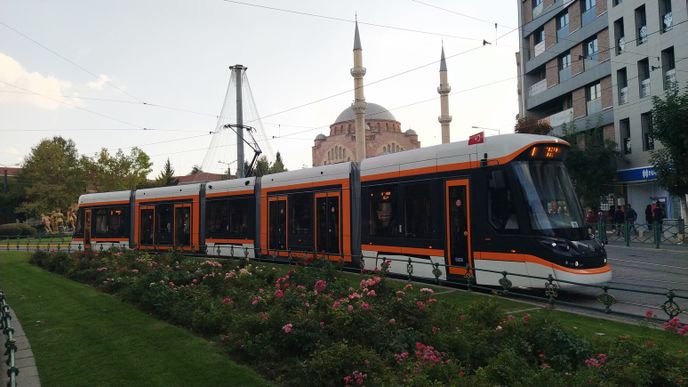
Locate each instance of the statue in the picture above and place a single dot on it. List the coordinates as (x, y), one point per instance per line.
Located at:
(47, 223)
(71, 216)
(57, 220)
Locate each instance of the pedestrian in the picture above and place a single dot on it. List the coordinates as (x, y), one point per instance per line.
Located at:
(631, 217)
(611, 216)
(658, 215)
(649, 217)
(591, 217)
(619, 219)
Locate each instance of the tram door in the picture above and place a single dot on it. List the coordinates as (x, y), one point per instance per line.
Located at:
(277, 229)
(147, 225)
(458, 226)
(87, 228)
(182, 225)
(327, 214)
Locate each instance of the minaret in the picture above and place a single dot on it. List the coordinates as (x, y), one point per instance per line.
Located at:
(443, 89)
(359, 105)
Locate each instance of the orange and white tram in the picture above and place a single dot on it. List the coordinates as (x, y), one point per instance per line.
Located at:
(506, 204)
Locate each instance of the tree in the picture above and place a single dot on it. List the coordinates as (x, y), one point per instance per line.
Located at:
(591, 163)
(532, 126)
(166, 176)
(196, 170)
(52, 176)
(10, 200)
(119, 172)
(278, 165)
(670, 128)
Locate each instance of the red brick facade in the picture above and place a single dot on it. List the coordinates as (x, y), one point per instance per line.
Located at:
(552, 72)
(579, 106)
(603, 44)
(577, 64)
(527, 10)
(550, 33)
(601, 7)
(607, 96)
(575, 16)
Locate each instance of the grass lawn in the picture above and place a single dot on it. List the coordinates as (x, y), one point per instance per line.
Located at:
(82, 337)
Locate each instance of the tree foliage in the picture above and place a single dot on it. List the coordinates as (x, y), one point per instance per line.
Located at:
(196, 170)
(591, 163)
(265, 167)
(52, 177)
(166, 176)
(670, 127)
(532, 126)
(278, 165)
(107, 172)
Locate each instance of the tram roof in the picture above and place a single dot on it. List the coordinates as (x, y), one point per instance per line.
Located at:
(229, 186)
(307, 175)
(496, 148)
(104, 197)
(168, 192)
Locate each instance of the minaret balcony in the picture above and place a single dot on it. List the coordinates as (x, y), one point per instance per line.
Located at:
(359, 107)
(444, 89)
(357, 72)
(444, 119)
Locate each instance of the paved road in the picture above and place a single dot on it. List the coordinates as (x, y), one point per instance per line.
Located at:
(645, 269)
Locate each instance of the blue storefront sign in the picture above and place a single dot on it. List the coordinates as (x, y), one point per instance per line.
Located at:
(636, 174)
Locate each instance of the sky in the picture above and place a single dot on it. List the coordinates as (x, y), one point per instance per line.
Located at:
(155, 73)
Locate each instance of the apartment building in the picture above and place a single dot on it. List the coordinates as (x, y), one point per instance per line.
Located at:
(583, 64)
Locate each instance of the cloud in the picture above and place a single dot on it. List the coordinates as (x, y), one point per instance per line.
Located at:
(99, 83)
(28, 86)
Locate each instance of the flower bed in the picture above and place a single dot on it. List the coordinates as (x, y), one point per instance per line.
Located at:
(310, 326)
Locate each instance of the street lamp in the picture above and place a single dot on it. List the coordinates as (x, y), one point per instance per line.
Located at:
(480, 127)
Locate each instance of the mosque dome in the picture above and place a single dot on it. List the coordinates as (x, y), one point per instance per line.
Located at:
(320, 137)
(373, 112)
(411, 132)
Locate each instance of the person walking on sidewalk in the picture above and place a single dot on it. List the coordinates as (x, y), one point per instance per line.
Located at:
(631, 217)
(658, 215)
(649, 217)
(619, 219)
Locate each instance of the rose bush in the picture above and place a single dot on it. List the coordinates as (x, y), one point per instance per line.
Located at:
(312, 325)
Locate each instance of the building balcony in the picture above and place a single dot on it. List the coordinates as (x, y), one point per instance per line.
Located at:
(562, 32)
(539, 48)
(588, 16)
(623, 95)
(645, 88)
(565, 74)
(537, 88)
(558, 119)
(594, 106)
(669, 79)
(537, 11)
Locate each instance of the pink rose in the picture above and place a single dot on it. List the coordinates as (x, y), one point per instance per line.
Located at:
(287, 327)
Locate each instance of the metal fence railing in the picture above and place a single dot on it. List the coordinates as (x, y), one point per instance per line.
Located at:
(668, 232)
(608, 298)
(10, 343)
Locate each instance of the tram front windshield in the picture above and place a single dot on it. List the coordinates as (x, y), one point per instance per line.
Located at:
(552, 204)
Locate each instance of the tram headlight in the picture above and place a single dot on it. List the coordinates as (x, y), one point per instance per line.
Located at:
(576, 264)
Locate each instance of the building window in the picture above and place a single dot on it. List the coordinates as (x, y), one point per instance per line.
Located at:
(646, 124)
(640, 25)
(644, 77)
(616, 2)
(592, 48)
(539, 35)
(665, 15)
(563, 20)
(625, 131)
(593, 93)
(669, 68)
(622, 85)
(588, 5)
(619, 36)
(567, 102)
(565, 61)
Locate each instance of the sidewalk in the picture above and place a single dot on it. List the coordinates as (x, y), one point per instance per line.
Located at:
(682, 248)
(28, 372)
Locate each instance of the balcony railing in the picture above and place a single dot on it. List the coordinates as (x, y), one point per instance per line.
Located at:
(565, 74)
(644, 87)
(669, 79)
(623, 95)
(589, 16)
(539, 48)
(538, 88)
(594, 106)
(562, 32)
(561, 118)
(537, 11)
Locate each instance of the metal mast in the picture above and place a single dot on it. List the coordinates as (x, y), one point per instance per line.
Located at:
(240, 120)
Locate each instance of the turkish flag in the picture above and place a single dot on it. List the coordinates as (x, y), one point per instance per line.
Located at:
(477, 138)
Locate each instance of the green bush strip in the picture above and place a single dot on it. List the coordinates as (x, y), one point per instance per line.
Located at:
(82, 337)
(312, 326)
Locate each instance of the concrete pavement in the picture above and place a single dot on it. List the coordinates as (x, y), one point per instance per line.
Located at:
(28, 372)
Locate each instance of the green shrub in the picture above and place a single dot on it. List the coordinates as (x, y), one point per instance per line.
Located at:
(16, 229)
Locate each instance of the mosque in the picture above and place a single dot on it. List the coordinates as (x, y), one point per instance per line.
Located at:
(383, 135)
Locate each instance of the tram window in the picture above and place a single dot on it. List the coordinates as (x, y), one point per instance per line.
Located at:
(79, 227)
(300, 213)
(382, 212)
(230, 218)
(111, 222)
(419, 217)
(500, 204)
(164, 218)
